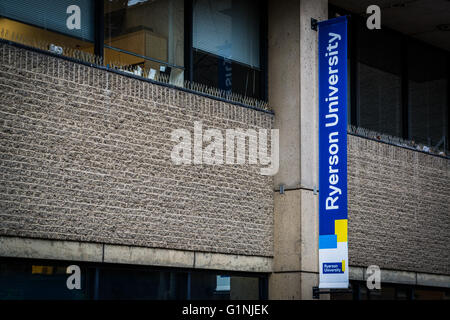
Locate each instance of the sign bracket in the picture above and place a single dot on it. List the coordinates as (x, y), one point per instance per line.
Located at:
(316, 292)
(314, 23)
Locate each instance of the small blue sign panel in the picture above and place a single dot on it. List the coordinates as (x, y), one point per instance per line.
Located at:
(332, 267)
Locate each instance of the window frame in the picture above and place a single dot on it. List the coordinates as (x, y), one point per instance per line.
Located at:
(263, 52)
(354, 79)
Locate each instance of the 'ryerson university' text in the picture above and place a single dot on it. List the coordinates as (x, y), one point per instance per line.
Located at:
(332, 120)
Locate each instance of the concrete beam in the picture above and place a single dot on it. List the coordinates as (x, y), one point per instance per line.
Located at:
(285, 286)
(309, 231)
(284, 85)
(356, 273)
(218, 261)
(433, 280)
(148, 256)
(403, 277)
(390, 276)
(16, 247)
(309, 92)
(287, 232)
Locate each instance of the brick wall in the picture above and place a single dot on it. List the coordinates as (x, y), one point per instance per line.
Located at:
(399, 208)
(85, 155)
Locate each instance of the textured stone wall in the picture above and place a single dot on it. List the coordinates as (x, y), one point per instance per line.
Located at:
(85, 155)
(399, 208)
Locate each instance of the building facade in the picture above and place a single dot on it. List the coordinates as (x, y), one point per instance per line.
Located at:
(96, 96)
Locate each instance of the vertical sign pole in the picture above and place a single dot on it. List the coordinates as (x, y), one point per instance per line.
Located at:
(333, 249)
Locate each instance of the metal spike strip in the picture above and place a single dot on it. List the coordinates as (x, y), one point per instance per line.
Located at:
(363, 132)
(163, 78)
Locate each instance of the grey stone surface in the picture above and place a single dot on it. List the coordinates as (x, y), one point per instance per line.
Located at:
(293, 96)
(85, 156)
(285, 286)
(287, 231)
(356, 273)
(284, 85)
(433, 280)
(148, 256)
(394, 276)
(403, 277)
(15, 247)
(232, 262)
(399, 208)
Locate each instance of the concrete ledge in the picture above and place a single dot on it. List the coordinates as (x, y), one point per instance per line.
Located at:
(16, 247)
(433, 280)
(356, 273)
(148, 256)
(403, 277)
(391, 276)
(218, 261)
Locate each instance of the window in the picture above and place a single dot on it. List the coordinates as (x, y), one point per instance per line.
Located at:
(427, 94)
(227, 46)
(49, 22)
(31, 279)
(378, 89)
(148, 34)
(398, 85)
(22, 280)
(137, 284)
(217, 43)
(211, 286)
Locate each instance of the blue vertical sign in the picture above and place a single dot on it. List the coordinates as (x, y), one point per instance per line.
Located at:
(333, 248)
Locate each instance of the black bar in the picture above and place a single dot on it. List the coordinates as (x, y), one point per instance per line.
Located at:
(188, 51)
(188, 294)
(177, 309)
(404, 90)
(356, 292)
(99, 29)
(313, 24)
(96, 283)
(263, 288)
(317, 292)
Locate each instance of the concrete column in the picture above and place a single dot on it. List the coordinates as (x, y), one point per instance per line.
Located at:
(293, 95)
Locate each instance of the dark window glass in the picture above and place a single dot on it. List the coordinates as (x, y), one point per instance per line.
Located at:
(427, 94)
(378, 88)
(387, 292)
(132, 284)
(47, 22)
(148, 34)
(46, 280)
(211, 286)
(422, 293)
(226, 44)
(42, 281)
